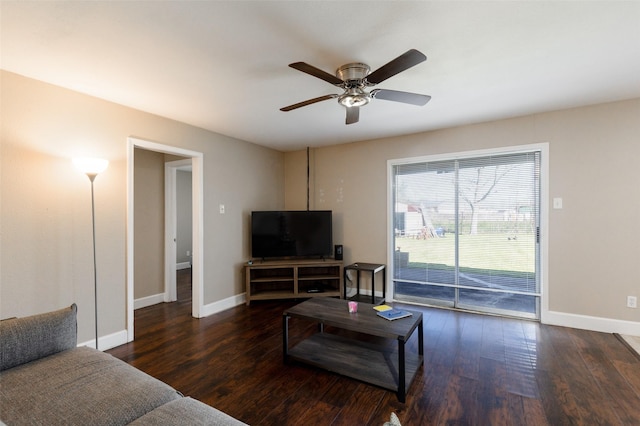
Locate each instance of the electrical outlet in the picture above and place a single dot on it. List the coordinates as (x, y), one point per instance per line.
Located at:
(221, 208)
(632, 302)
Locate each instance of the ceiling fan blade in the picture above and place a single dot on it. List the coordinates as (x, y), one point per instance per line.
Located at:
(401, 63)
(397, 96)
(308, 102)
(353, 115)
(316, 72)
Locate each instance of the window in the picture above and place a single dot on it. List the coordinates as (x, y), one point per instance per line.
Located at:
(466, 232)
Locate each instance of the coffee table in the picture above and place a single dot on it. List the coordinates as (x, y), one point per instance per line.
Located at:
(382, 365)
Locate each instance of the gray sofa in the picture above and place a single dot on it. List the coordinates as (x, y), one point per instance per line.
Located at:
(45, 379)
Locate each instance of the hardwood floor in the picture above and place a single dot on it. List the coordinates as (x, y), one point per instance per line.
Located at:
(478, 370)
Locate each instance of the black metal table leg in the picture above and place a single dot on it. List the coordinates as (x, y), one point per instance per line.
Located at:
(285, 338)
(402, 391)
(344, 281)
(384, 285)
(373, 288)
(421, 339)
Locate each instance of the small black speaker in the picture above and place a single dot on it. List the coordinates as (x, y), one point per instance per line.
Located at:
(337, 252)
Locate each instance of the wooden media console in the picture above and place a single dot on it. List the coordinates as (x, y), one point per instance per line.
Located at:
(293, 279)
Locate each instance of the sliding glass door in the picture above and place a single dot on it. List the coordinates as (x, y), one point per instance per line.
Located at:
(466, 233)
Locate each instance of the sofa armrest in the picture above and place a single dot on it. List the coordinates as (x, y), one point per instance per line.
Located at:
(26, 339)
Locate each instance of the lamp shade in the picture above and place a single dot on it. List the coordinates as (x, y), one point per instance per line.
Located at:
(91, 166)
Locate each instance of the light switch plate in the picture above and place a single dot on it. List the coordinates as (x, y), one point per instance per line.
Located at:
(557, 203)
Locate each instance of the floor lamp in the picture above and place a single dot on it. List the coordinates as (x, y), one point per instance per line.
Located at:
(92, 167)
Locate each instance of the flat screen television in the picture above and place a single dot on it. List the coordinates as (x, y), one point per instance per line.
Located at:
(290, 234)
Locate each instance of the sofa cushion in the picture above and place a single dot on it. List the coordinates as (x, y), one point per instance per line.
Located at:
(29, 338)
(186, 411)
(80, 386)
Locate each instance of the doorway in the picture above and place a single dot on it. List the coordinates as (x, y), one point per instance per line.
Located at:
(466, 232)
(196, 159)
(178, 226)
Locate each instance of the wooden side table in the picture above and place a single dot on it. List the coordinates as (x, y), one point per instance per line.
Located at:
(372, 268)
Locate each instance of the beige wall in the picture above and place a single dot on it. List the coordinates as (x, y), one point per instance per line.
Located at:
(184, 213)
(594, 241)
(45, 227)
(148, 178)
(45, 221)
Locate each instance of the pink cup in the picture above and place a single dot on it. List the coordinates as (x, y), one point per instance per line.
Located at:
(353, 307)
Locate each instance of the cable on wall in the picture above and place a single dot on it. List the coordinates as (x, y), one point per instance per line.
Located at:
(307, 178)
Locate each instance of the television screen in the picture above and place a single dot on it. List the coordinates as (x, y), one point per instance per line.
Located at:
(291, 233)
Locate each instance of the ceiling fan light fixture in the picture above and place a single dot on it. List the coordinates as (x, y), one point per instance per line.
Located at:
(354, 97)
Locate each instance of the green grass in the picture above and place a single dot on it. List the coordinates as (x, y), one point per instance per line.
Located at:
(483, 251)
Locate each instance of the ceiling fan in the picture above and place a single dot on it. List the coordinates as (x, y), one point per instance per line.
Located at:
(355, 78)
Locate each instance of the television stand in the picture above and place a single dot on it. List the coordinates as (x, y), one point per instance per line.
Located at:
(293, 279)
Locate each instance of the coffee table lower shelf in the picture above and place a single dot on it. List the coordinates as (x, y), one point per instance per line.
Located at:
(359, 360)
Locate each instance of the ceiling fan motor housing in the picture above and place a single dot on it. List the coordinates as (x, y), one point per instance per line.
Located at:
(352, 73)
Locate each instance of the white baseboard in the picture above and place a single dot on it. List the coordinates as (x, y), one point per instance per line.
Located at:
(183, 265)
(143, 302)
(120, 338)
(223, 305)
(585, 322)
(107, 342)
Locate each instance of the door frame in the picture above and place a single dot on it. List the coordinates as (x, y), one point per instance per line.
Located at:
(544, 208)
(197, 187)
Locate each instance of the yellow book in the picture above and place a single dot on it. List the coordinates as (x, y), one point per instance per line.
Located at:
(382, 308)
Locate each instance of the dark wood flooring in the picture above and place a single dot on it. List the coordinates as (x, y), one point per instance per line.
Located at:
(478, 370)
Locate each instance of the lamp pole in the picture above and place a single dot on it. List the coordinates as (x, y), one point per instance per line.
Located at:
(92, 177)
(92, 167)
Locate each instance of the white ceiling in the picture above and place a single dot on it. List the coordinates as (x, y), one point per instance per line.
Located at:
(222, 65)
